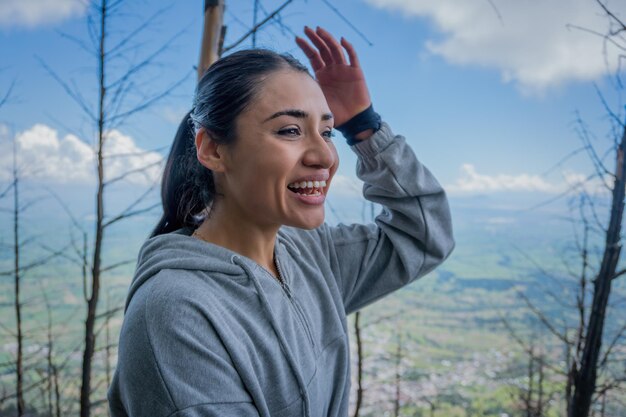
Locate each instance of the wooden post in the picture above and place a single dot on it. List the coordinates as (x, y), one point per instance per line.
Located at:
(212, 34)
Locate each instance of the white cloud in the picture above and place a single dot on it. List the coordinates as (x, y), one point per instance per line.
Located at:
(532, 43)
(43, 155)
(472, 182)
(31, 13)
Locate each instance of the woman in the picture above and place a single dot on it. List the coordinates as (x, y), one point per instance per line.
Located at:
(239, 303)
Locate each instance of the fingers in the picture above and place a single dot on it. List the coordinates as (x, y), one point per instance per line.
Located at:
(333, 45)
(354, 60)
(328, 51)
(314, 58)
(320, 44)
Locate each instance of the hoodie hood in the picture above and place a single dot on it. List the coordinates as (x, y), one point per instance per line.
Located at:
(176, 250)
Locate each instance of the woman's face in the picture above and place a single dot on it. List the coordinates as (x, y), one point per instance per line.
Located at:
(279, 168)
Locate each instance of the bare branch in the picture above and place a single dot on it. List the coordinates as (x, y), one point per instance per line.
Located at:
(129, 154)
(133, 34)
(562, 194)
(133, 213)
(128, 211)
(74, 95)
(117, 265)
(612, 16)
(601, 170)
(497, 12)
(543, 319)
(620, 333)
(563, 160)
(602, 35)
(8, 330)
(119, 118)
(145, 62)
(619, 273)
(258, 25)
(63, 255)
(81, 44)
(610, 112)
(110, 312)
(7, 95)
(5, 192)
(36, 263)
(65, 208)
(526, 349)
(345, 19)
(130, 172)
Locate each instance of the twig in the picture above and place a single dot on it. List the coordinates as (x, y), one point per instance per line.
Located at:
(255, 28)
(334, 9)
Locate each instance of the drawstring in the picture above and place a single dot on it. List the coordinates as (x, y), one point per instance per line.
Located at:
(279, 333)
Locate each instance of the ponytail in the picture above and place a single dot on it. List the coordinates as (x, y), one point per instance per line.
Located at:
(187, 187)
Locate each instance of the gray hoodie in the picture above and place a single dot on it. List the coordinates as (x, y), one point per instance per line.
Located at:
(208, 332)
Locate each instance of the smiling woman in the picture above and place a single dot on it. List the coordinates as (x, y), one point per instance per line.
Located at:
(272, 150)
(238, 306)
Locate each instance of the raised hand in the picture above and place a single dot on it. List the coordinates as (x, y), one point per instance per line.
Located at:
(342, 83)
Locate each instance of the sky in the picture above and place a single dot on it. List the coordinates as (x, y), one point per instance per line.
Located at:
(487, 92)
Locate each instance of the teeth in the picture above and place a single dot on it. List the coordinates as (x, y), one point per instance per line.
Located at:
(313, 194)
(308, 184)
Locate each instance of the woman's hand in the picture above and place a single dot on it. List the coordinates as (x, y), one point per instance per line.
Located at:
(342, 83)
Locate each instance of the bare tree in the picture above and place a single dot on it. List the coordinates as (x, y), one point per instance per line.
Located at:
(18, 308)
(584, 371)
(359, 357)
(532, 396)
(357, 326)
(23, 364)
(114, 105)
(398, 374)
(54, 405)
(17, 272)
(591, 370)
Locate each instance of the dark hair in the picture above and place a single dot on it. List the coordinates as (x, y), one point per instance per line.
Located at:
(225, 90)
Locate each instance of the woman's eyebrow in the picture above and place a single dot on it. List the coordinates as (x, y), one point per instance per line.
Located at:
(300, 114)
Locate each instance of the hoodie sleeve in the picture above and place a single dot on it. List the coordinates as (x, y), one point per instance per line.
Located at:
(410, 237)
(171, 359)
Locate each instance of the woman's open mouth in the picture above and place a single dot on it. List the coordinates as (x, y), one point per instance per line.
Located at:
(308, 188)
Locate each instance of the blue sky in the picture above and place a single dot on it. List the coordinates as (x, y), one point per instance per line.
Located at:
(485, 91)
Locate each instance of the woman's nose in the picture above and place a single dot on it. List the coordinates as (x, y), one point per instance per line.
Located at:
(320, 153)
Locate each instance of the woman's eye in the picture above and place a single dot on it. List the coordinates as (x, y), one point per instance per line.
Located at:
(329, 134)
(292, 131)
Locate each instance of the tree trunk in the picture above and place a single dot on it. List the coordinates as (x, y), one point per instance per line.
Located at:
(540, 400)
(585, 380)
(396, 402)
(359, 349)
(107, 356)
(92, 302)
(18, 307)
(49, 357)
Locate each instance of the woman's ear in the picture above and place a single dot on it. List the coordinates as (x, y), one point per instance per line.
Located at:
(209, 152)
